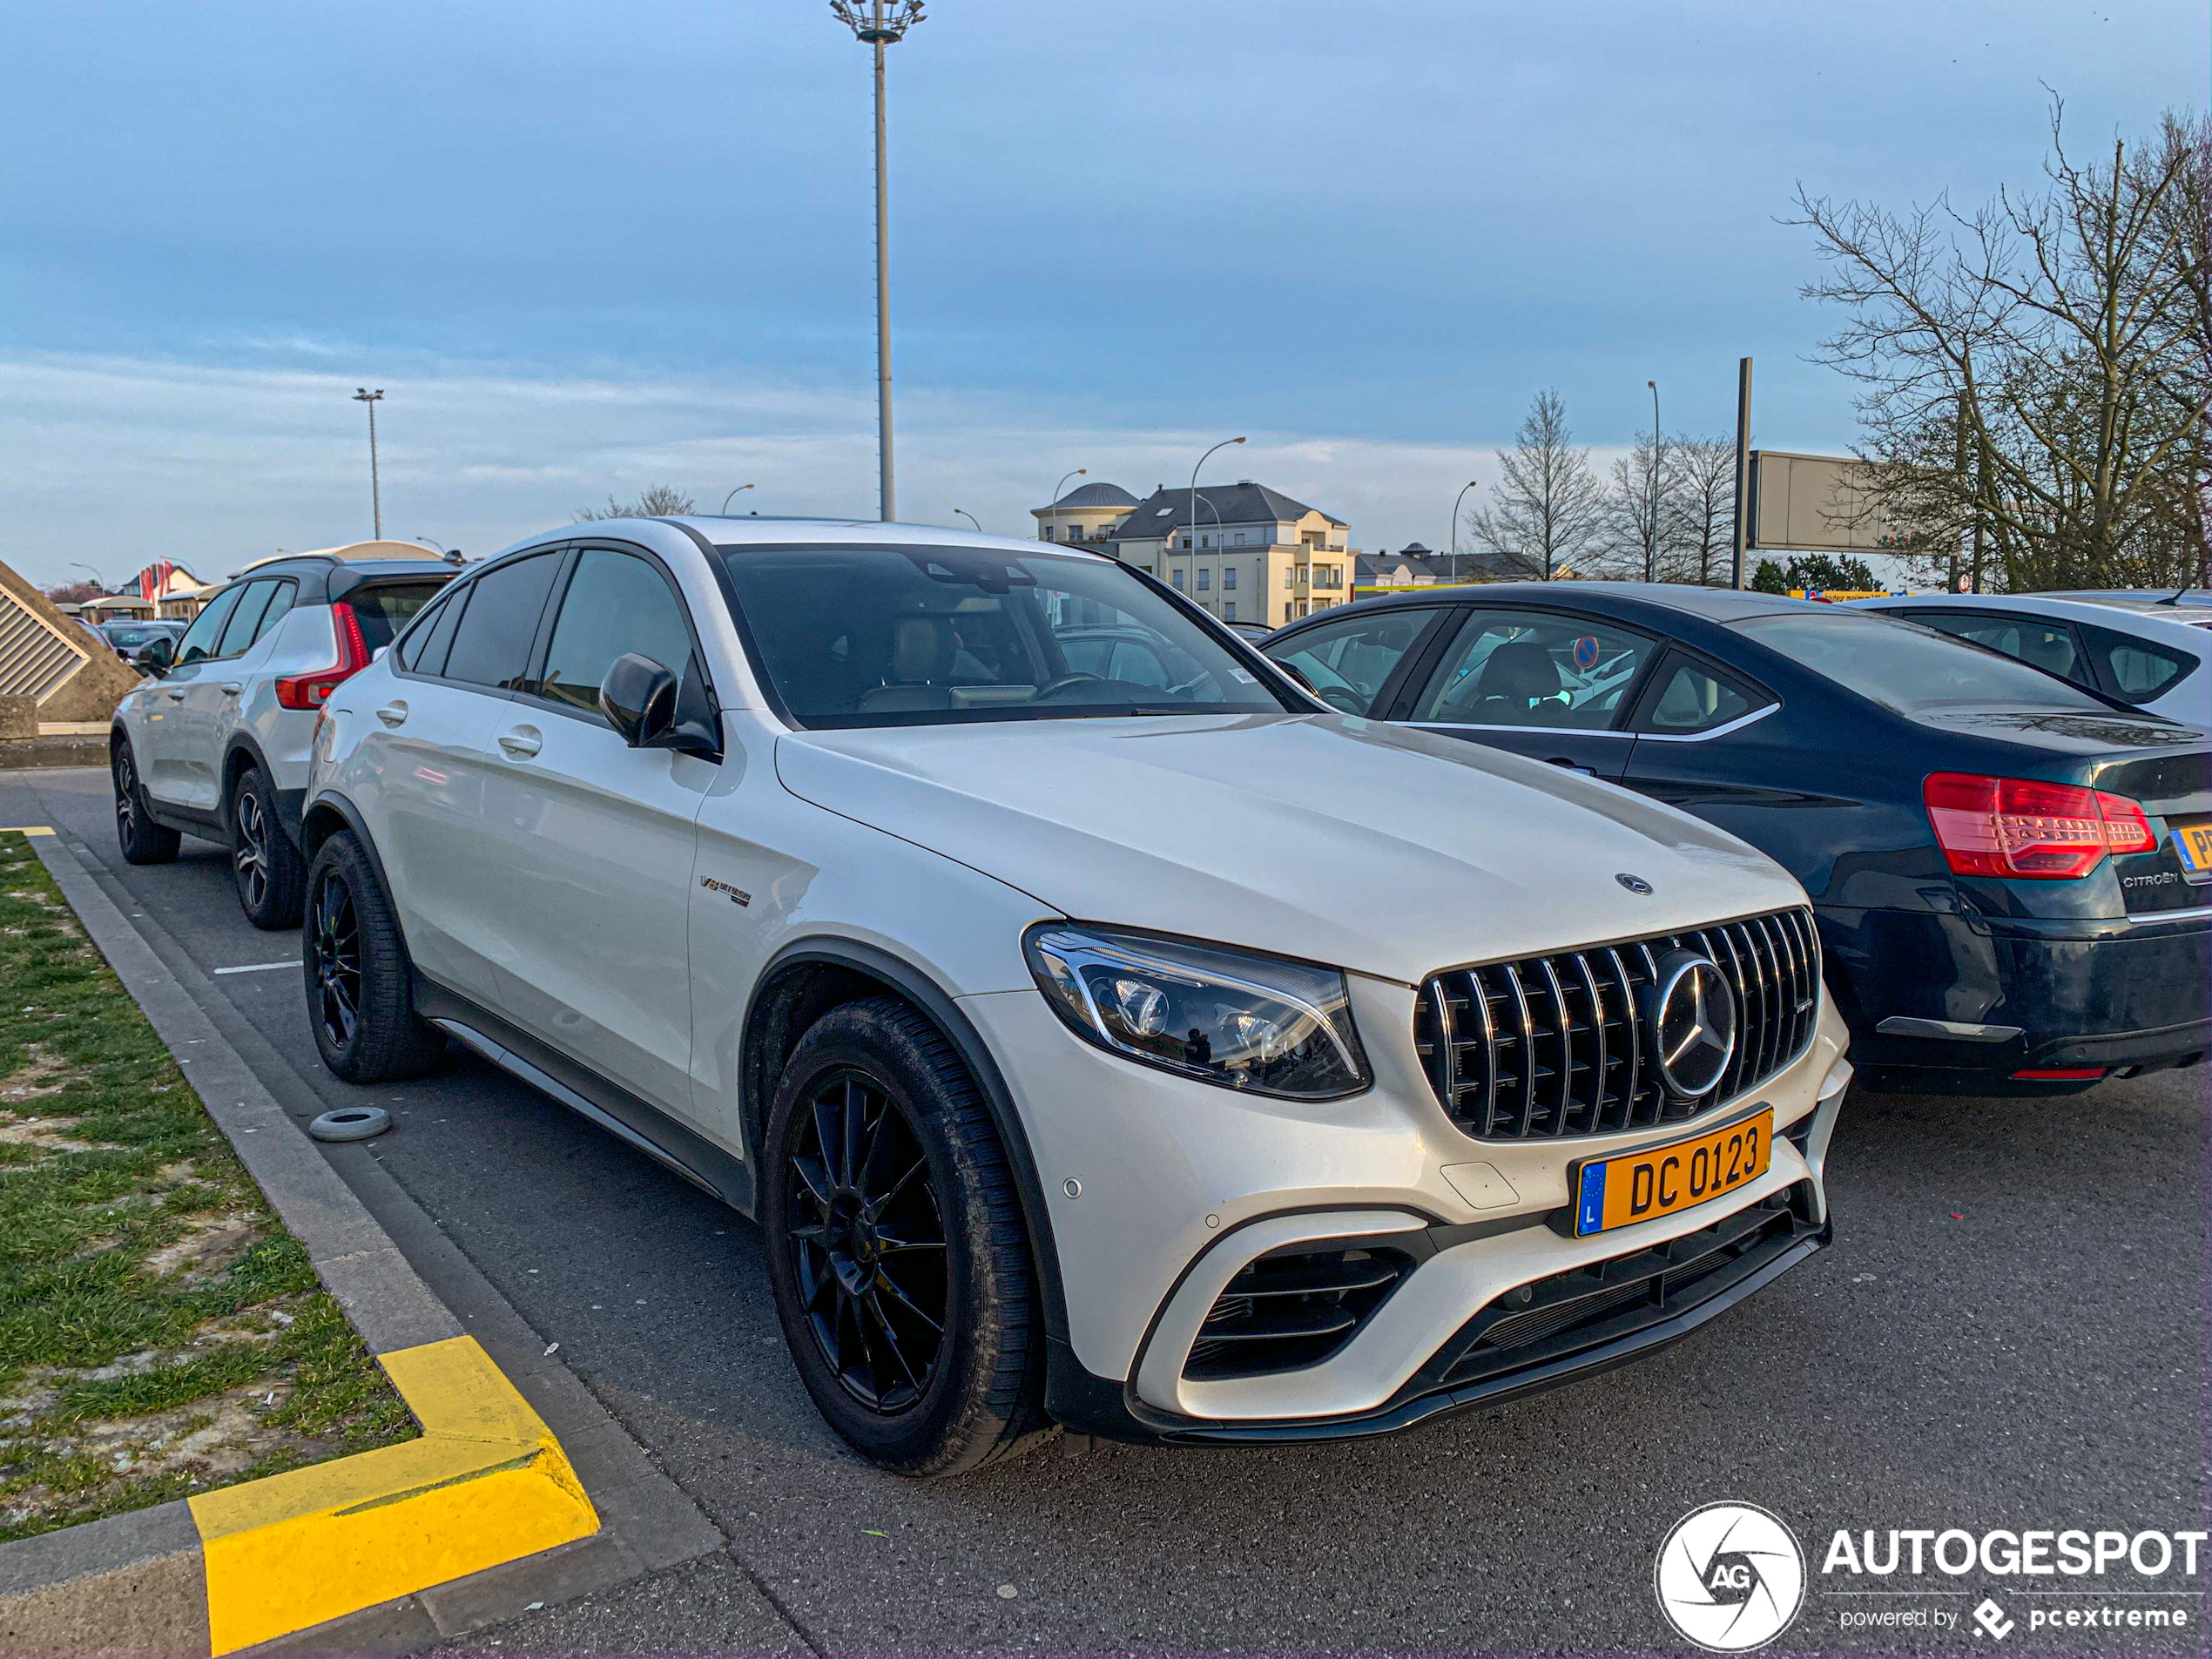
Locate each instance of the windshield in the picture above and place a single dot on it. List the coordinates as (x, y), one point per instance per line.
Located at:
(1910, 668)
(138, 636)
(919, 636)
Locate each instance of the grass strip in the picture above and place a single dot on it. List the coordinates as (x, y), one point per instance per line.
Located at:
(160, 1333)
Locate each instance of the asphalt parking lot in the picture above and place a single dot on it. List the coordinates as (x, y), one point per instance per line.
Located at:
(2011, 1332)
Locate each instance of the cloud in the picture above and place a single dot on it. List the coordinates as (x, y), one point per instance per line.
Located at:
(115, 461)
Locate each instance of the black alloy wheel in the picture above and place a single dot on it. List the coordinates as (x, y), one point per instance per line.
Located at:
(264, 863)
(360, 984)
(142, 840)
(898, 1248)
(335, 964)
(866, 1232)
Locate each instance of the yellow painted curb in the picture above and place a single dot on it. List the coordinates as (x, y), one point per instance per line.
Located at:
(24, 829)
(487, 1483)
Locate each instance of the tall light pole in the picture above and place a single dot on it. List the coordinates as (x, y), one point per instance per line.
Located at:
(876, 23)
(1651, 526)
(1223, 444)
(375, 490)
(1456, 500)
(961, 512)
(732, 495)
(1743, 470)
(1078, 473)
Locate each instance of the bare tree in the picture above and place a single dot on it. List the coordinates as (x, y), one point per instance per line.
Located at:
(2035, 373)
(657, 501)
(1701, 490)
(1638, 515)
(1547, 510)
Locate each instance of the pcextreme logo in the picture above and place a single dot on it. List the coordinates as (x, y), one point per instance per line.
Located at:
(1729, 1577)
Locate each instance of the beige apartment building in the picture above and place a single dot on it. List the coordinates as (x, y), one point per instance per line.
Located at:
(1254, 555)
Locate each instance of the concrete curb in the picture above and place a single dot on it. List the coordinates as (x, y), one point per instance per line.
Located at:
(521, 1489)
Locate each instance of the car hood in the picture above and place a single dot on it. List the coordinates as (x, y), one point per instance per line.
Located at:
(1368, 846)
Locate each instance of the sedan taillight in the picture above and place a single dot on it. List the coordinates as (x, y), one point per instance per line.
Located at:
(2030, 830)
(313, 690)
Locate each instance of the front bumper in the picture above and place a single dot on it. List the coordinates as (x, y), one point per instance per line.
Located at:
(1161, 1191)
(1969, 1001)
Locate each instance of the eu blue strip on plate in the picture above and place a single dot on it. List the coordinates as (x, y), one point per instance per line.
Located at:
(1589, 1207)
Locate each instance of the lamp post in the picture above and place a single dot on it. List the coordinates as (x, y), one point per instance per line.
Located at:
(732, 496)
(375, 490)
(879, 23)
(1651, 526)
(1078, 473)
(961, 512)
(1223, 444)
(1456, 500)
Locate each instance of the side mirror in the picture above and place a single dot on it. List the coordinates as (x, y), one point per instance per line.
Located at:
(155, 656)
(639, 696)
(653, 710)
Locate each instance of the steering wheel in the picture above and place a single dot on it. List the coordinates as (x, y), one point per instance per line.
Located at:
(1052, 687)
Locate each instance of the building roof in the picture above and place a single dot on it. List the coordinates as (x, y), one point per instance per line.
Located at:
(1166, 510)
(1100, 494)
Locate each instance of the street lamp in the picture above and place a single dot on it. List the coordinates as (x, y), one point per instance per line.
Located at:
(879, 23)
(1223, 444)
(1651, 526)
(376, 490)
(98, 581)
(959, 512)
(1456, 500)
(732, 496)
(1079, 472)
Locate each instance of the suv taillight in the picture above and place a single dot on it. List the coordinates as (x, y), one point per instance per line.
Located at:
(2029, 829)
(313, 690)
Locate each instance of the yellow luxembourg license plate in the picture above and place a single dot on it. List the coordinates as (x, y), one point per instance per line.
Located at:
(1666, 1180)
(2193, 845)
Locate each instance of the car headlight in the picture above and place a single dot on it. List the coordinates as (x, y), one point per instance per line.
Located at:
(1230, 1017)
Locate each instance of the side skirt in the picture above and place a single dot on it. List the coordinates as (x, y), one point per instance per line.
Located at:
(614, 1108)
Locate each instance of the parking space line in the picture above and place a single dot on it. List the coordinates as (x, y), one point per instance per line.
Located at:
(260, 967)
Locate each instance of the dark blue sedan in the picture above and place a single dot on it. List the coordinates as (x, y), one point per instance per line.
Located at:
(2013, 875)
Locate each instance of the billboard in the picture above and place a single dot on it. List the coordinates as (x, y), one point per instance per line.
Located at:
(1813, 504)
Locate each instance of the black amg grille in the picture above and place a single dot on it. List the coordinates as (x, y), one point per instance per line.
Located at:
(1559, 1045)
(1292, 1307)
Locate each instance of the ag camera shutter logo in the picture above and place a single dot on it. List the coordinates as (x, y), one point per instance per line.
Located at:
(1730, 1577)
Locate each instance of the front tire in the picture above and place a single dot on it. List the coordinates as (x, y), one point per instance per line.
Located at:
(142, 840)
(272, 881)
(897, 1251)
(361, 987)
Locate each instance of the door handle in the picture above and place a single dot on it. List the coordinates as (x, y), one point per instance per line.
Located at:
(392, 714)
(176, 693)
(231, 688)
(1561, 761)
(521, 743)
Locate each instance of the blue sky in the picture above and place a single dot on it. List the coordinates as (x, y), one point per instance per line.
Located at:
(585, 248)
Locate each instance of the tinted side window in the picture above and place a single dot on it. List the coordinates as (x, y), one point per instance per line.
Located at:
(424, 649)
(615, 604)
(238, 633)
(2036, 641)
(198, 642)
(1347, 662)
(279, 604)
(1687, 699)
(492, 645)
(1532, 669)
(2134, 668)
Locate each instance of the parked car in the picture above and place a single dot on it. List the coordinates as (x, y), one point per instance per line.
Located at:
(216, 746)
(2009, 872)
(1177, 1061)
(127, 639)
(1249, 630)
(2140, 653)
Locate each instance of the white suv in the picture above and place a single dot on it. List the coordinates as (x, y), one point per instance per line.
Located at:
(1170, 1057)
(215, 745)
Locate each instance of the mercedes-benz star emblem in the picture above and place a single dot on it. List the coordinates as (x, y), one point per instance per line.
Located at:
(1633, 883)
(1693, 1021)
